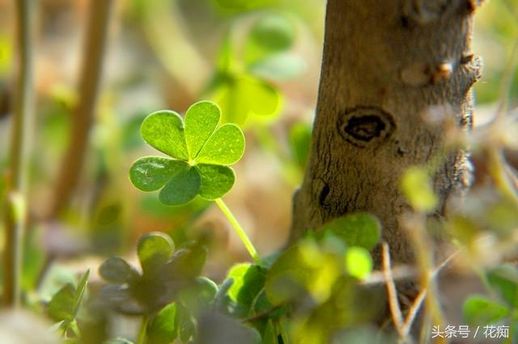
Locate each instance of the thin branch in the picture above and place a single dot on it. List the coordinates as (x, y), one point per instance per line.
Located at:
(15, 220)
(84, 113)
(395, 310)
(416, 305)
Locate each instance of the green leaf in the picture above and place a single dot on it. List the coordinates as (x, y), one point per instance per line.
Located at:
(216, 180)
(358, 262)
(252, 285)
(65, 304)
(201, 152)
(479, 310)
(80, 291)
(273, 33)
(199, 297)
(302, 268)
(417, 188)
(154, 250)
(162, 329)
(186, 323)
(188, 261)
(241, 97)
(164, 131)
(206, 289)
(61, 306)
(182, 187)
(117, 270)
(153, 172)
(201, 120)
(270, 334)
(357, 229)
(237, 273)
(504, 279)
(225, 147)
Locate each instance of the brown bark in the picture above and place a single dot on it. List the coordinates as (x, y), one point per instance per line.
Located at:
(389, 68)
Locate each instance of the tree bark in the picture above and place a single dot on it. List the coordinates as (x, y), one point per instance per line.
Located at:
(394, 73)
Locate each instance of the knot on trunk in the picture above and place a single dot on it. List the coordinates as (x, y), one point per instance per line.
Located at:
(365, 126)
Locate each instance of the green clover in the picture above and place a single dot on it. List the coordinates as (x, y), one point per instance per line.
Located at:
(200, 152)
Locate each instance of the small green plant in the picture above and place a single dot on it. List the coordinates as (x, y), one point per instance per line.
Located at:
(200, 152)
(166, 292)
(64, 306)
(172, 297)
(481, 310)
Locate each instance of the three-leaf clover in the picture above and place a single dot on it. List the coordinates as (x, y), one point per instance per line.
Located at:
(200, 152)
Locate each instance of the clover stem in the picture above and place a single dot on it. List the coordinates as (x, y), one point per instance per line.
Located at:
(142, 331)
(238, 229)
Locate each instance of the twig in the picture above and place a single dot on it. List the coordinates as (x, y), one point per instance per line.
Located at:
(398, 273)
(415, 225)
(84, 112)
(395, 310)
(15, 220)
(416, 305)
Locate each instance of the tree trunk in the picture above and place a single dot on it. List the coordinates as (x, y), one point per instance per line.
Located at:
(394, 73)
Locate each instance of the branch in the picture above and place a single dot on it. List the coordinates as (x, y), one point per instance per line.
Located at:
(84, 112)
(395, 310)
(15, 220)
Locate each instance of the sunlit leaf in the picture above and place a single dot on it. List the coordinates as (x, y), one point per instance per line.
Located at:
(241, 97)
(200, 151)
(247, 283)
(358, 262)
(237, 273)
(224, 147)
(201, 121)
(417, 188)
(356, 229)
(164, 131)
(303, 268)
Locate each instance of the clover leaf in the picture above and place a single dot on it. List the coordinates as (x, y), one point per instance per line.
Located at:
(199, 150)
(165, 271)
